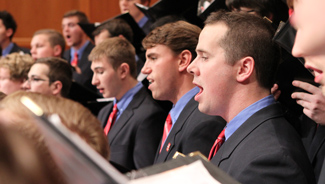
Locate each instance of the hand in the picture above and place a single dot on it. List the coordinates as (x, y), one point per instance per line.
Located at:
(313, 104)
(275, 91)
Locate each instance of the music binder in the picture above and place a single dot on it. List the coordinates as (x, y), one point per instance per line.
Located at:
(78, 161)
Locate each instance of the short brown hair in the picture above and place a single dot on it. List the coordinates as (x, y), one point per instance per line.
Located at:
(18, 65)
(82, 17)
(117, 50)
(55, 38)
(116, 27)
(177, 36)
(74, 116)
(59, 70)
(249, 35)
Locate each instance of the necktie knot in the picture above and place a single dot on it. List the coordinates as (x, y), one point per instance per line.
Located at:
(217, 144)
(111, 119)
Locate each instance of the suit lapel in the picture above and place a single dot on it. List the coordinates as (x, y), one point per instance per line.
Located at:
(171, 139)
(244, 130)
(127, 114)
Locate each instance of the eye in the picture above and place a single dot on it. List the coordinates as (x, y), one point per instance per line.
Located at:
(152, 58)
(99, 71)
(204, 58)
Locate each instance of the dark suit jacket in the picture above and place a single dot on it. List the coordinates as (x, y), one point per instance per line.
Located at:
(314, 141)
(193, 131)
(322, 175)
(84, 64)
(16, 48)
(265, 149)
(135, 136)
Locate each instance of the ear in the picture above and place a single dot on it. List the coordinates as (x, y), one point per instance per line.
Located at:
(185, 59)
(57, 50)
(123, 70)
(245, 69)
(146, 3)
(9, 32)
(121, 36)
(56, 88)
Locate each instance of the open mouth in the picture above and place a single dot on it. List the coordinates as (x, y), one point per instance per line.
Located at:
(318, 74)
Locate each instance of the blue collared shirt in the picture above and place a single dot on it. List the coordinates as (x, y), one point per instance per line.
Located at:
(126, 99)
(181, 103)
(143, 21)
(7, 50)
(238, 120)
(80, 51)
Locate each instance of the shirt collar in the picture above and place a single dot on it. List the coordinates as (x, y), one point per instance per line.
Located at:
(240, 118)
(80, 51)
(7, 50)
(123, 103)
(143, 21)
(181, 103)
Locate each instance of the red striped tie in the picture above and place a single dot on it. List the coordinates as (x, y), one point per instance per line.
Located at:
(217, 144)
(167, 127)
(111, 119)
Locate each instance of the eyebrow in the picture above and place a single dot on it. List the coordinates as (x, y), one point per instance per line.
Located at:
(152, 54)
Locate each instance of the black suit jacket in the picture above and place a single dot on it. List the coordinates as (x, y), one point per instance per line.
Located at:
(265, 149)
(84, 64)
(314, 141)
(16, 48)
(193, 131)
(135, 136)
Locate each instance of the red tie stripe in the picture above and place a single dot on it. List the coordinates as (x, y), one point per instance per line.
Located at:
(217, 144)
(167, 127)
(111, 119)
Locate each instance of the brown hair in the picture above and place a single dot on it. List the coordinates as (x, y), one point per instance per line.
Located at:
(249, 35)
(116, 27)
(76, 117)
(18, 65)
(82, 17)
(21, 162)
(59, 70)
(177, 36)
(117, 50)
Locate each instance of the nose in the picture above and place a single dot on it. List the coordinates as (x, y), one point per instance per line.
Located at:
(146, 69)
(94, 80)
(192, 69)
(26, 86)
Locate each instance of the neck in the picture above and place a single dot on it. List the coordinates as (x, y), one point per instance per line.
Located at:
(127, 84)
(5, 44)
(244, 98)
(138, 17)
(184, 85)
(78, 46)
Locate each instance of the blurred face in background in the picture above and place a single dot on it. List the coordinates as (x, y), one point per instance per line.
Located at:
(7, 84)
(310, 38)
(41, 47)
(128, 6)
(72, 32)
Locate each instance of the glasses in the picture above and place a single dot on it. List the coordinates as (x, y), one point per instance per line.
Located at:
(35, 80)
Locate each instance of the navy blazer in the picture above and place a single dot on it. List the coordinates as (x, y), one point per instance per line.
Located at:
(16, 48)
(265, 149)
(193, 131)
(84, 64)
(135, 136)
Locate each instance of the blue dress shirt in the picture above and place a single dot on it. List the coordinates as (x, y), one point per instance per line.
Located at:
(238, 120)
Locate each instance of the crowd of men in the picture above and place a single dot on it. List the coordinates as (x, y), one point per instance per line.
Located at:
(215, 89)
